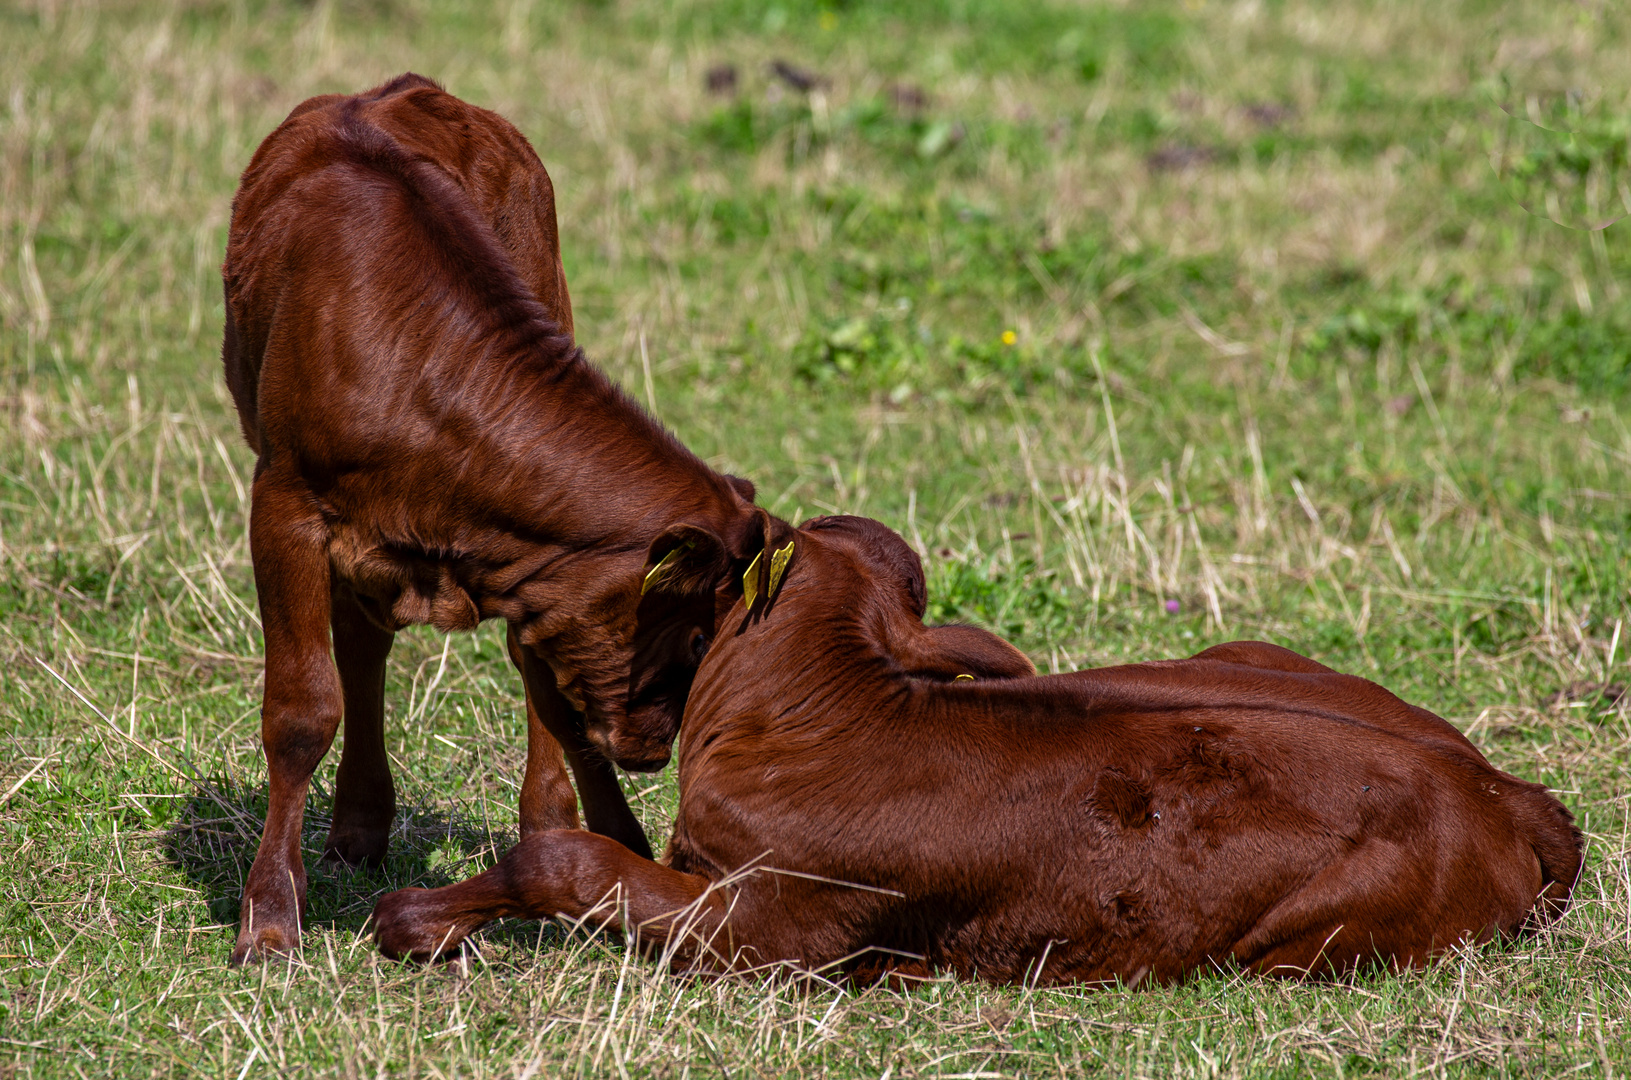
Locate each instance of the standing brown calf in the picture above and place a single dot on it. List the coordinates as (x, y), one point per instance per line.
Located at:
(849, 803)
(433, 449)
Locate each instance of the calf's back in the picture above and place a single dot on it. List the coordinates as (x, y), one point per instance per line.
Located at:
(491, 162)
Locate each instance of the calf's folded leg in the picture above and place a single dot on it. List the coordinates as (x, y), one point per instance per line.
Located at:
(300, 708)
(547, 799)
(1384, 899)
(364, 795)
(566, 873)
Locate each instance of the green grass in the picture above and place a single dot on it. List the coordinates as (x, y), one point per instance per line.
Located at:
(1285, 348)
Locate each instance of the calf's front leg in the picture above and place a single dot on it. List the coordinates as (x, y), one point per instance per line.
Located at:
(300, 708)
(570, 874)
(547, 799)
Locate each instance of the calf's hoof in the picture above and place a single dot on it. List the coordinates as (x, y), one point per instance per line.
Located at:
(357, 846)
(264, 942)
(409, 924)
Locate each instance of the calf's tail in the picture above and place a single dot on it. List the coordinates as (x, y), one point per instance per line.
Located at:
(243, 377)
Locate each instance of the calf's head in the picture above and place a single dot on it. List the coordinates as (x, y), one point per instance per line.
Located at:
(633, 632)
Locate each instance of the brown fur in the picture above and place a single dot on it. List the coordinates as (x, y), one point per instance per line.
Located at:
(848, 807)
(480, 151)
(434, 449)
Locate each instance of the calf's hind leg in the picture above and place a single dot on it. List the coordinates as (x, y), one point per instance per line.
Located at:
(568, 873)
(300, 708)
(364, 796)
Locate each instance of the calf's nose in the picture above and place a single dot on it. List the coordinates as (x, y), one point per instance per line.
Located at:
(633, 753)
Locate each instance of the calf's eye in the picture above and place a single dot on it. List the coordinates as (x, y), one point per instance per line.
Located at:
(699, 644)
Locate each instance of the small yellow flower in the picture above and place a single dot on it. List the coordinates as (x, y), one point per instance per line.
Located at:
(1009, 337)
(829, 20)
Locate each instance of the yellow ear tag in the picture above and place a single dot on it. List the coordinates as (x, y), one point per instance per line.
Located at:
(778, 567)
(750, 582)
(655, 575)
(960, 678)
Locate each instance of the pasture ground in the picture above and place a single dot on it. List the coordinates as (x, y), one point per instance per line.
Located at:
(1103, 305)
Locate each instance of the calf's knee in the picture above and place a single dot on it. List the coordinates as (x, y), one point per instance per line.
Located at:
(298, 732)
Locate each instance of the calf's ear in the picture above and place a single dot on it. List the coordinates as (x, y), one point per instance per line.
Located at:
(768, 550)
(684, 560)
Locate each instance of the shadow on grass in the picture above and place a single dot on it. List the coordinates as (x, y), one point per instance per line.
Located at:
(212, 841)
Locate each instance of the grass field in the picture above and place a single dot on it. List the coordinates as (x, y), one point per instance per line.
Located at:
(1103, 306)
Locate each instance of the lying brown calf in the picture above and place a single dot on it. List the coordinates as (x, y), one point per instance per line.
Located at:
(433, 449)
(849, 803)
